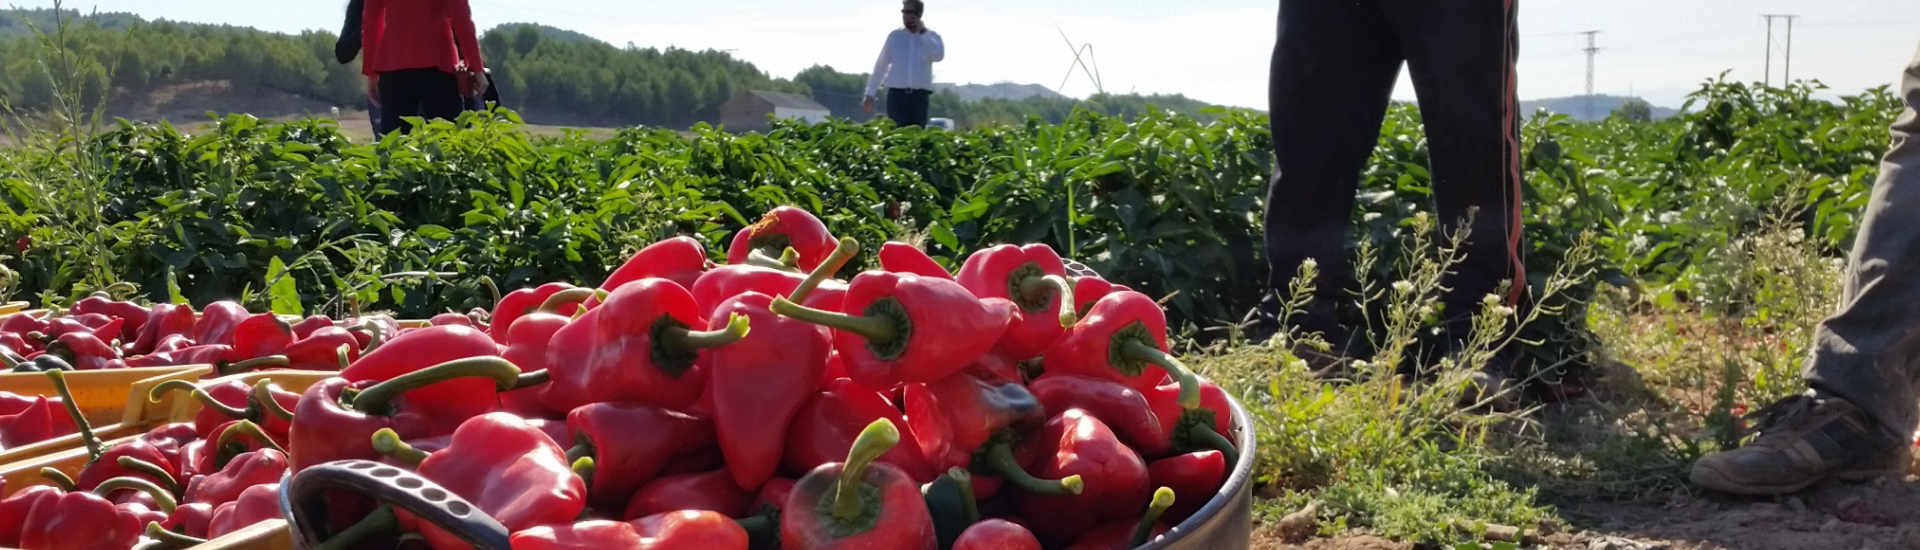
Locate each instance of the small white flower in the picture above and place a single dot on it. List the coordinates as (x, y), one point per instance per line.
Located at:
(1370, 216)
(1403, 287)
(1503, 311)
(1639, 242)
(1310, 263)
(1359, 364)
(1570, 202)
(1490, 299)
(1426, 311)
(1669, 218)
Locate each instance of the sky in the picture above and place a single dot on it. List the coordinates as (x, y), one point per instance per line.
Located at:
(1212, 50)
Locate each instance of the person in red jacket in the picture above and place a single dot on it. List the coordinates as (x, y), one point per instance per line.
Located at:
(421, 58)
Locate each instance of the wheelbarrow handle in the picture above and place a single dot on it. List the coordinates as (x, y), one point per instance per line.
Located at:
(402, 489)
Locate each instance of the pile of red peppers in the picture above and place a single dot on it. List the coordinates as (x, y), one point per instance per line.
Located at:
(763, 402)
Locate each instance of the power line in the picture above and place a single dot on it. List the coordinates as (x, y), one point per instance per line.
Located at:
(1767, 74)
(1591, 49)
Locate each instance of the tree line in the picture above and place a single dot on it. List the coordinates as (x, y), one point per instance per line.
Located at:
(544, 72)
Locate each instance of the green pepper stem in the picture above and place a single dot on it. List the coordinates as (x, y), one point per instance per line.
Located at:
(341, 353)
(138, 466)
(1000, 460)
(121, 290)
(584, 467)
(263, 398)
(270, 361)
(788, 261)
(206, 399)
(169, 539)
(379, 336)
(388, 444)
(375, 400)
(1205, 438)
(1040, 285)
(581, 449)
(60, 479)
(246, 428)
(565, 298)
(874, 330)
(531, 379)
(969, 506)
(761, 527)
(681, 339)
(161, 497)
(380, 521)
(1189, 384)
(878, 438)
(1162, 500)
(7, 361)
(94, 447)
(493, 290)
(842, 253)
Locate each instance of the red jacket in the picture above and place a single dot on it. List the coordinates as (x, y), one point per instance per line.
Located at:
(418, 34)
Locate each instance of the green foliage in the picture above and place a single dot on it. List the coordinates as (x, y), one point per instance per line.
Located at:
(1635, 110)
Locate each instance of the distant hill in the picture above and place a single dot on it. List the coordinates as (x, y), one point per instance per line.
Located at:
(17, 23)
(1001, 90)
(550, 33)
(1576, 106)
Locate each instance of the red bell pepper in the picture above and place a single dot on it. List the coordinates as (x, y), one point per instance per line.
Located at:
(107, 329)
(1034, 278)
(630, 443)
(1076, 443)
(1204, 428)
(679, 259)
(246, 470)
(80, 521)
(140, 450)
(255, 504)
(858, 503)
(1193, 477)
(900, 257)
(1089, 290)
(85, 351)
(773, 494)
(456, 399)
(527, 348)
(779, 229)
(189, 519)
(1121, 408)
(1123, 339)
(306, 327)
(678, 530)
(522, 302)
(759, 383)
(219, 404)
(318, 350)
(510, 469)
(907, 328)
(133, 316)
(712, 491)
(335, 425)
(451, 318)
(41, 420)
(1126, 533)
(23, 323)
(954, 417)
(147, 503)
(996, 534)
(825, 428)
(164, 320)
(16, 507)
(218, 322)
(260, 335)
(636, 347)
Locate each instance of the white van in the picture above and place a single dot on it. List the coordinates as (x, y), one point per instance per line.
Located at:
(942, 124)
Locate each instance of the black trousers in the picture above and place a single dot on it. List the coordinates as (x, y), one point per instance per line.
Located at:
(1334, 68)
(908, 107)
(426, 93)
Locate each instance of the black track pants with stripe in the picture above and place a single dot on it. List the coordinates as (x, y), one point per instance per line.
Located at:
(1334, 67)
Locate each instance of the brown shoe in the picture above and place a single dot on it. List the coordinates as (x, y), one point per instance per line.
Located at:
(1805, 439)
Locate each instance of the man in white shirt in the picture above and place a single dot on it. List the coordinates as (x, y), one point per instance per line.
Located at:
(906, 67)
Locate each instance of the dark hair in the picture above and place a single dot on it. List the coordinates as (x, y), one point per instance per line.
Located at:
(916, 5)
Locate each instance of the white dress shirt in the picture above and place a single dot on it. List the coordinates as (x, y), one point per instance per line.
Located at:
(906, 61)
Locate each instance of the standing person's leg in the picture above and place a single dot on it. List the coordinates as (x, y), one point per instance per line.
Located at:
(373, 116)
(1334, 66)
(397, 100)
(1857, 420)
(897, 106)
(1461, 56)
(918, 110)
(440, 95)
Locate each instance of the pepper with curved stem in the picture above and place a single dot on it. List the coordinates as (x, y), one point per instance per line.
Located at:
(901, 257)
(858, 503)
(169, 540)
(638, 346)
(843, 252)
(250, 365)
(782, 228)
(788, 261)
(388, 443)
(907, 328)
(263, 396)
(506, 467)
(631, 443)
(1162, 500)
(493, 290)
(60, 479)
(1123, 339)
(1033, 277)
(161, 497)
(337, 417)
(379, 336)
(166, 478)
(1075, 443)
(244, 427)
(94, 447)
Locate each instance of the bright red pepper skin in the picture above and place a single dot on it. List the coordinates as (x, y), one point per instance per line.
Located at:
(1165, 402)
(631, 443)
(825, 428)
(85, 351)
(511, 470)
(260, 335)
(1076, 443)
(1121, 408)
(329, 431)
(1123, 339)
(759, 383)
(614, 352)
(164, 320)
(451, 318)
(22, 324)
(712, 491)
(526, 343)
(773, 494)
(939, 328)
(311, 323)
(16, 507)
(134, 316)
(41, 420)
(679, 259)
(232, 393)
(318, 349)
(1089, 290)
(996, 534)
(779, 229)
(521, 302)
(893, 510)
(1194, 478)
(108, 467)
(254, 505)
(171, 440)
(678, 530)
(900, 257)
(191, 519)
(1015, 273)
(246, 470)
(454, 399)
(80, 521)
(954, 417)
(218, 322)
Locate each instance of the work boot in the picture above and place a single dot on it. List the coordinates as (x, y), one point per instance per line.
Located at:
(1805, 439)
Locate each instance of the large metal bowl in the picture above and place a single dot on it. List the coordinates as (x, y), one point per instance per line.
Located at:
(1226, 522)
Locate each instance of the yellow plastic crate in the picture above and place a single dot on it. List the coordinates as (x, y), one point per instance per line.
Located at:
(105, 397)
